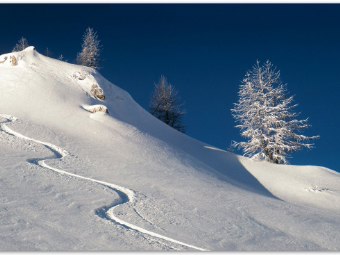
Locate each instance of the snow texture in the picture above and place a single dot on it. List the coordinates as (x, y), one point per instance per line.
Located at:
(75, 180)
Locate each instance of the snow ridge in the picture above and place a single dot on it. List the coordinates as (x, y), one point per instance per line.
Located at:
(126, 195)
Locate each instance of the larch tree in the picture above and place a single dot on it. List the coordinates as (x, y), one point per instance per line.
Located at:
(21, 45)
(90, 53)
(165, 105)
(265, 115)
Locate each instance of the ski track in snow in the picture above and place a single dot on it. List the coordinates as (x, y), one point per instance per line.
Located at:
(126, 195)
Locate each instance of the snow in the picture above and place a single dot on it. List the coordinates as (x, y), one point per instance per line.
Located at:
(76, 180)
(95, 108)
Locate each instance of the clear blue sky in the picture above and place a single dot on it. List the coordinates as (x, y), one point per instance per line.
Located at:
(204, 50)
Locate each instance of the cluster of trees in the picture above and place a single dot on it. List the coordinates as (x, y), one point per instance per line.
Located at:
(264, 112)
(89, 55)
(165, 104)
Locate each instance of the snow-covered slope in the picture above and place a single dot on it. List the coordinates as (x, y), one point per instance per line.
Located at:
(84, 167)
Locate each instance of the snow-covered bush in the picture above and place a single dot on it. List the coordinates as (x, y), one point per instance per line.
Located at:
(265, 115)
(165, 105)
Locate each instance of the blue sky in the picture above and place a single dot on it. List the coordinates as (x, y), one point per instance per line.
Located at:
(204, 51)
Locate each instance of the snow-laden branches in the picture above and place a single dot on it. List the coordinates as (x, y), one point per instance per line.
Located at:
(264, 114)
(90, 53)
(165, 106)
(21, 45)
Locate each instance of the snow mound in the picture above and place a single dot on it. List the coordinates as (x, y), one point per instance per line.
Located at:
(18, 58)
(317, 189)
(89, 84)
(96, 108)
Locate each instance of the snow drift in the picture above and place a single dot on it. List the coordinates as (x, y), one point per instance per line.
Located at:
(184, 189)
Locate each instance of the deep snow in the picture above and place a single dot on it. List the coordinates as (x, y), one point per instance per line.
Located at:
(186, 194)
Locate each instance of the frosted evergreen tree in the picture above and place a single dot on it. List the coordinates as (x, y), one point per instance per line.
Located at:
(165, 105)
(264, 113)
(90, 53)
(21, 45)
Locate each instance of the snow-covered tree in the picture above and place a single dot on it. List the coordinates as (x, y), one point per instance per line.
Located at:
(264, 113)
(21, 45)
(165, 105)
(90, 53)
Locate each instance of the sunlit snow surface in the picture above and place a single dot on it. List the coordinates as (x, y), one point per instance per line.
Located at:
(190, 194)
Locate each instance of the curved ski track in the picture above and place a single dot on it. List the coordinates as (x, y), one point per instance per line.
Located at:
(126, 195)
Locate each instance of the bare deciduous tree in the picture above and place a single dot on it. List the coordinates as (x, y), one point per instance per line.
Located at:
(21, 45)
(90, 53)
(165, 105)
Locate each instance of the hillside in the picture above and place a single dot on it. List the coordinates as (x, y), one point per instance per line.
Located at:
(84, 167)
